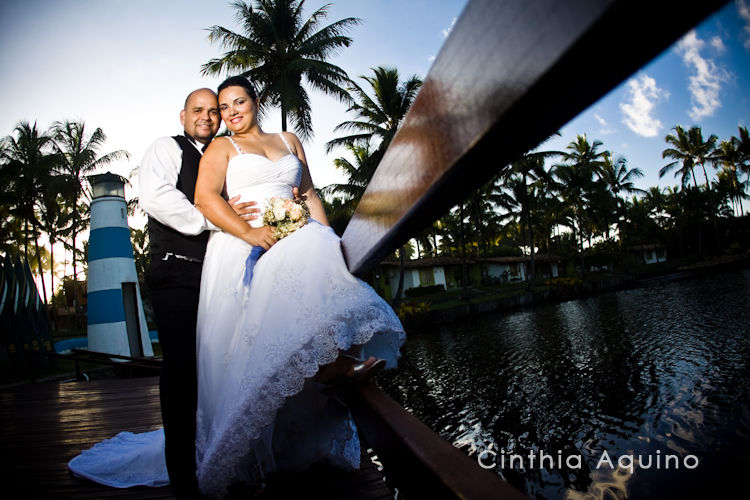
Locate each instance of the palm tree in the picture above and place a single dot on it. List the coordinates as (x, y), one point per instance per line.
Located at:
(379, 116)
(619, 179)
(655, 200)
(730, 158)
(523, 195)
(10, 227)
(742, 144)
(576, 184)
(278, 50)
(378, 119)
(27, 163)
(688, 150)
(77, 157)
(358, 174)
(54, 218)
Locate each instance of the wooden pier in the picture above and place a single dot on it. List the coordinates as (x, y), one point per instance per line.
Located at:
(44, 425)
(507, 77)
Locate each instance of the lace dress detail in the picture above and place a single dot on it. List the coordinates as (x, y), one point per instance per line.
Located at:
(258, 346)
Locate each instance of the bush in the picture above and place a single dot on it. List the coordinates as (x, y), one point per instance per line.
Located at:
(411, 309)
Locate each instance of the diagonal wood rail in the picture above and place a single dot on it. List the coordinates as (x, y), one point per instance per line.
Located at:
(511, 74)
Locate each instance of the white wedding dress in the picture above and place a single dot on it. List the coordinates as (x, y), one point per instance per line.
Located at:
(259, 344)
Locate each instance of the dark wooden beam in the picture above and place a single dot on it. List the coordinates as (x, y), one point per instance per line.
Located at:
(418, 461)
(511, 74)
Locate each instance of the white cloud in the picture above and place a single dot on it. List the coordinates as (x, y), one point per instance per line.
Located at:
(717, 43)
(447, 31)
(431, 58)
(641, 95)
(706, 80)
(606, 129)
(744, 12)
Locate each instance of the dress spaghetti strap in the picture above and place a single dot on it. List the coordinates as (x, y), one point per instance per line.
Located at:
(239, 151)
(286, 143)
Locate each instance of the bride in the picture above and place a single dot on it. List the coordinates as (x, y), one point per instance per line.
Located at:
(261, 342)
(269, 341)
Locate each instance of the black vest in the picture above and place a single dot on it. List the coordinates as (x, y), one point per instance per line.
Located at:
(163, 239)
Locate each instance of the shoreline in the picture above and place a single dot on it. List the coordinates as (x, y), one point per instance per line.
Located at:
(475, 306)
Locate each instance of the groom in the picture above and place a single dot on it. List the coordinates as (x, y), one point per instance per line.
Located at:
(178, 234)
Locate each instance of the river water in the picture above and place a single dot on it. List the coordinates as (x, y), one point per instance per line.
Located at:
(641, 393)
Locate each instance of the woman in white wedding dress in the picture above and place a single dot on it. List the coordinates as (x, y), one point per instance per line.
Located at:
(263, 337)
(260, 343)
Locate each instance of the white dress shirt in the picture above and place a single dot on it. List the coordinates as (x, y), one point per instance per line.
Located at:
(159, 196)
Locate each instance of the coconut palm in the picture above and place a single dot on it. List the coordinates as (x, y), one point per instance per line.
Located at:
(357, 173)
(575, 182)
(619, 180)
(27, 163)
(730, 159)
(54, 219)
(378, 116)
(742, 144)
(655, 200)
(278, 50)
(688, 151)
(524, 195)
(78, 156)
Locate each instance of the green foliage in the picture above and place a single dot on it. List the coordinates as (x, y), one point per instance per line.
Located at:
(280, 49)
(408, 310)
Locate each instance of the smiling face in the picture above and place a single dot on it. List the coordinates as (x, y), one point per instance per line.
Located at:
(200, 118)
(238, 110)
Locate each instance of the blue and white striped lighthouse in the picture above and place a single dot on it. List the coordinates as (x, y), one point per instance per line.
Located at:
(116, 322)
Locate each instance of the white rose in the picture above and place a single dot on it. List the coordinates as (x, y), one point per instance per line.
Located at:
(295, 213)
(278, 209)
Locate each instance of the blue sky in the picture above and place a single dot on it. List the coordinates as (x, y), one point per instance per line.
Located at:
(702, 80)
(126, 66)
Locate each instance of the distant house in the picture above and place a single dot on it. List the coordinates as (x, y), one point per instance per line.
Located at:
(446, 271)
(517, 268)
(649, 254)
(430, 271)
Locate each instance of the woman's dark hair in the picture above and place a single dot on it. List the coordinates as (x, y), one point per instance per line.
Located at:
(239, 81)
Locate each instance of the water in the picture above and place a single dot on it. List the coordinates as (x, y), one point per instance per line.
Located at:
(654, 381)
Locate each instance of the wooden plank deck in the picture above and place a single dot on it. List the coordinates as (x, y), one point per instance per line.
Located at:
(44, 425)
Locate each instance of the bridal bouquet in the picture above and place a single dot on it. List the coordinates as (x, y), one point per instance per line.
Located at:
(286, 215)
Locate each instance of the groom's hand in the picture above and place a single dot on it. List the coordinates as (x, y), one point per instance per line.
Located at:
(246, 209)
(297, 197)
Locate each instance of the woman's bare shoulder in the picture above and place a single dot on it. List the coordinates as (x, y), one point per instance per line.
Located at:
(294, 143)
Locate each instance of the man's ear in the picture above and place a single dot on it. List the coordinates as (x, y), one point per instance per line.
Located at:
(182, 117)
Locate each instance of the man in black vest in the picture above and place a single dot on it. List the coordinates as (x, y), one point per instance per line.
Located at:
(178, 235)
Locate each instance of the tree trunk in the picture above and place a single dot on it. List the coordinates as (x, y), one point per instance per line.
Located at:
(52, 271)
(397, 298)
(283, 117)
(41, 271)
(464, 261)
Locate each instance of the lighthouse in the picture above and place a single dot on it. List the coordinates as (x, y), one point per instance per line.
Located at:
(116, 322)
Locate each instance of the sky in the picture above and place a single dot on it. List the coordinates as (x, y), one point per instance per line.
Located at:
(127, 65)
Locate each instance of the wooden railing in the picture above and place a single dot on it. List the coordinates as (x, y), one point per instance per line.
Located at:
(131, 365)
(511, 74)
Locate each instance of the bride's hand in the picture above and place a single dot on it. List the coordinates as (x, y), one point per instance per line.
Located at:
(261, 237)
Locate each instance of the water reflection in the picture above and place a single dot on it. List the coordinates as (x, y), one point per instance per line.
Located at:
(643, 373)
